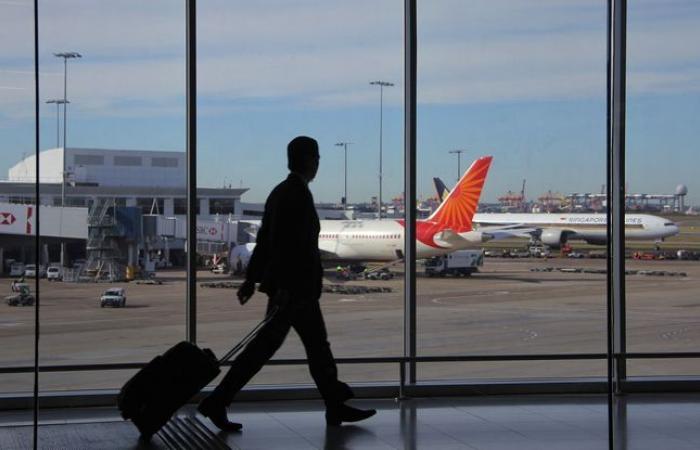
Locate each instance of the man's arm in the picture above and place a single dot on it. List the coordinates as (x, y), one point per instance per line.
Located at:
(259, 258)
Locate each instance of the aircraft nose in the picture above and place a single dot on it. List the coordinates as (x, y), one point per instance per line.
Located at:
(672, 230)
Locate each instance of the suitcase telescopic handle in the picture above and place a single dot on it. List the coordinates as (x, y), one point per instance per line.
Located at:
(248, 337)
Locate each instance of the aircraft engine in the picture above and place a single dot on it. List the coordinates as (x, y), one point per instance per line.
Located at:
(554, 238)
(479, 237)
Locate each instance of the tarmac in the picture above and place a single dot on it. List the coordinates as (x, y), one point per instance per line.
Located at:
(512, 306)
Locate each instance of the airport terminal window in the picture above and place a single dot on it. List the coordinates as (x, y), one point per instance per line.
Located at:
(75, 201)
(151, 205)
(127, 160)
(164, 162)
(501, 82)
(221, 206)
(308, 91)
(22, 200)
(179, 206)
(89, 160)
(662, 120)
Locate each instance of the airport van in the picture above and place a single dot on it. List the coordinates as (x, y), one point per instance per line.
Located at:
(53, 273)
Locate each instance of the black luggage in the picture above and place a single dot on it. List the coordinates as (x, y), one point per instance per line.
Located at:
(153, 395)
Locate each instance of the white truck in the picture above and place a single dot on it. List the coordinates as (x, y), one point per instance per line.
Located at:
(459, 263)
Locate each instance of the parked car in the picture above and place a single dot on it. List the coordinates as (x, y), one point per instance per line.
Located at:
(17, 269)
(54, 273)
(574, 254)
(115, 297)
(30, 271)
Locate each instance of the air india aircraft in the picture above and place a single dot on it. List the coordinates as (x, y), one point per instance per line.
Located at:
(448, 229)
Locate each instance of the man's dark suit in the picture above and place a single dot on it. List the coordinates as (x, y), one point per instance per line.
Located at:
(286, 257)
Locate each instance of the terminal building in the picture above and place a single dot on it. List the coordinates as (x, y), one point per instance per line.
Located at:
(146, 187)
(151, 180)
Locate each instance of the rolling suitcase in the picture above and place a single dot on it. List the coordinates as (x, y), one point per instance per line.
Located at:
(153, 395)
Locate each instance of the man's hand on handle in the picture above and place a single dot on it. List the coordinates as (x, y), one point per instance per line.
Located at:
(246, 291)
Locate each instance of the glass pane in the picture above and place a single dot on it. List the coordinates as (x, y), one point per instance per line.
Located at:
(17, 199)
(663, 96)
(266, 76)
(511, 119)
(113, 287)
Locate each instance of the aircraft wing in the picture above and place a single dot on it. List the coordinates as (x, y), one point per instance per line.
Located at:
(510, 231)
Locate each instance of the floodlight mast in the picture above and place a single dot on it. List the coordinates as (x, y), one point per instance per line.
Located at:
(345, 194)
(382, 85)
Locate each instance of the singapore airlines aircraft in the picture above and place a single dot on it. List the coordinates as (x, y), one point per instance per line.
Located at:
(449, 228)
(556, 229)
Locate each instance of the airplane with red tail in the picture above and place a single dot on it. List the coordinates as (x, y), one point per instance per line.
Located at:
(448, 229)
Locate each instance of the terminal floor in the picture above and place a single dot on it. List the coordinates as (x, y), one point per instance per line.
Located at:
(498, 422)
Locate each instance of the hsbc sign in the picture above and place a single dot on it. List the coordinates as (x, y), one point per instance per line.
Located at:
(7, 218)
(17, 219)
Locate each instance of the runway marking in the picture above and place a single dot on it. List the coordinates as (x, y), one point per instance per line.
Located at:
(440, 300)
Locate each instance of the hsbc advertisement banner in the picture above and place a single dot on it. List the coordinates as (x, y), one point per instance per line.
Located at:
(209, 230)
(16, 219)
(68, 222)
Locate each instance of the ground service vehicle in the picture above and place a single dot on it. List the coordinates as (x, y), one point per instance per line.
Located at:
(459, 263)
(20, 295)
(381, 274)
(539, 251)
(115, 297)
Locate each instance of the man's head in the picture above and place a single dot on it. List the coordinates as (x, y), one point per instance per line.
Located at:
(303, 156)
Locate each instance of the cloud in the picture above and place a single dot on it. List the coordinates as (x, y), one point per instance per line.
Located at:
(322, 54)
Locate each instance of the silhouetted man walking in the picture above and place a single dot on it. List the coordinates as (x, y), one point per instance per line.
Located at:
(287, 264)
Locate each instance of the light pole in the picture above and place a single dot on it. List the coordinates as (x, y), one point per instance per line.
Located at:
(345, 195)
(58, 102)
(381, 85)
(459, 161)
(66, 56)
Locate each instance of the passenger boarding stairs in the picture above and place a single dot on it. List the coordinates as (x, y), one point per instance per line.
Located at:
(104, 258)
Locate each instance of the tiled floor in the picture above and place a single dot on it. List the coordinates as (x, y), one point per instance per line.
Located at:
(654, 422)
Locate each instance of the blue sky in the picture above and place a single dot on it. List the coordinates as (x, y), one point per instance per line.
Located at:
(521, 80)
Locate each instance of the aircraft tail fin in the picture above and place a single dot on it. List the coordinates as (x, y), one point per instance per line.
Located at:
(441, 189)
(457, 210)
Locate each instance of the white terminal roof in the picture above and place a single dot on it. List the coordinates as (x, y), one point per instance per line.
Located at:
(102, 167)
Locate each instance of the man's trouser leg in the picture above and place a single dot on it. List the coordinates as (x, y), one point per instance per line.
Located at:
(258, 351)
(308, 323)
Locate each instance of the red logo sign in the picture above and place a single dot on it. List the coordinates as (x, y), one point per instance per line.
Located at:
(7, 218)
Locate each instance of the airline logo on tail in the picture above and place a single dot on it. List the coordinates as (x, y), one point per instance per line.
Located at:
(455, 213)
(457, 210)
